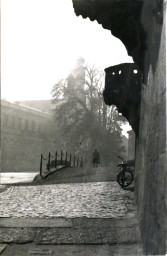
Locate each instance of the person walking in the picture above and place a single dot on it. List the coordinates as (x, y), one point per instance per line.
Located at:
(95, 158)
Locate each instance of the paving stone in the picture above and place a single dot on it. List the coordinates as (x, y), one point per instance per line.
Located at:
(2, 247)
(40, 251)
(84, 231)
(78, 250)
(33, 222)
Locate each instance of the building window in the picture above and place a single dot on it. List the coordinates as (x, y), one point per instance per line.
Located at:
(19, 123)
(13, 122)
(33, 126)
(8, 122)
(40, 128)
(4, 119)
(26, 124)
(22, 124)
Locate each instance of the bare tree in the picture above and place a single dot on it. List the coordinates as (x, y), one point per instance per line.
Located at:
(82, 116)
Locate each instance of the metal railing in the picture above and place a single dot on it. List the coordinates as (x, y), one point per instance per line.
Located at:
(64, 159)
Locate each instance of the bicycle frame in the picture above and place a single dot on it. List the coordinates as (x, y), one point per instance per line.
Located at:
(125, 177)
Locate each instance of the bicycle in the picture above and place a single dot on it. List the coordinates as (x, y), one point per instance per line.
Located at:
(125, 177)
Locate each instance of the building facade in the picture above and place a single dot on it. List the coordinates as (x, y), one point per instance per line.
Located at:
(25, 134)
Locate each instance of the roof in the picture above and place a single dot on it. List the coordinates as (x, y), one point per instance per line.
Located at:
(17, 106)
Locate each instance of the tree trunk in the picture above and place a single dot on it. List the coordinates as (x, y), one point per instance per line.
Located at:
(104, 115)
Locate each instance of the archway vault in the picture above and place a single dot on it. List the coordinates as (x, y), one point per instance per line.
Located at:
(134, 27)
(122, 18)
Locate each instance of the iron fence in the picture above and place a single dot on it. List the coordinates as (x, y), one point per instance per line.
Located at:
(64, 159)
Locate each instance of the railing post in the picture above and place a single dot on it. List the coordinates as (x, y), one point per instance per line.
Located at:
(48, 165)
(41, 165)
(70, 159)
(77, 161)
(74, 161)
(81, 164)
(56, 159)
(66, 157)
(61, 157)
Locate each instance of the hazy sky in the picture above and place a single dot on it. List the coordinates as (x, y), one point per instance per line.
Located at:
(41, 40)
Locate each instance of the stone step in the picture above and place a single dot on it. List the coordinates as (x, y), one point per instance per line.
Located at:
(71, 231)
(35, 223)
(72, 250)
(2, 247)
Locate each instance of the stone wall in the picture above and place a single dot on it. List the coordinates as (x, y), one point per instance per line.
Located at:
(151, 144)
(131, 145)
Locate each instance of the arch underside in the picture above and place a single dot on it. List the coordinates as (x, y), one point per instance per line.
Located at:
(124, 18)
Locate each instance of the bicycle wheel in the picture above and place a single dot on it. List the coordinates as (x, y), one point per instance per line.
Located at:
(120, 179)
(124, 179)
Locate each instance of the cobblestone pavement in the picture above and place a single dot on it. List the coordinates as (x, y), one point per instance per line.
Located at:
(94, 200)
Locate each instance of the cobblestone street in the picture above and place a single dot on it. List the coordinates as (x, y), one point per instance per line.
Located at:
(93, 218)
(93, 200)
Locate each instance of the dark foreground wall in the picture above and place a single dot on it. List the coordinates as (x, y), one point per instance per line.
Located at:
(151, 143)
(140, 25)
